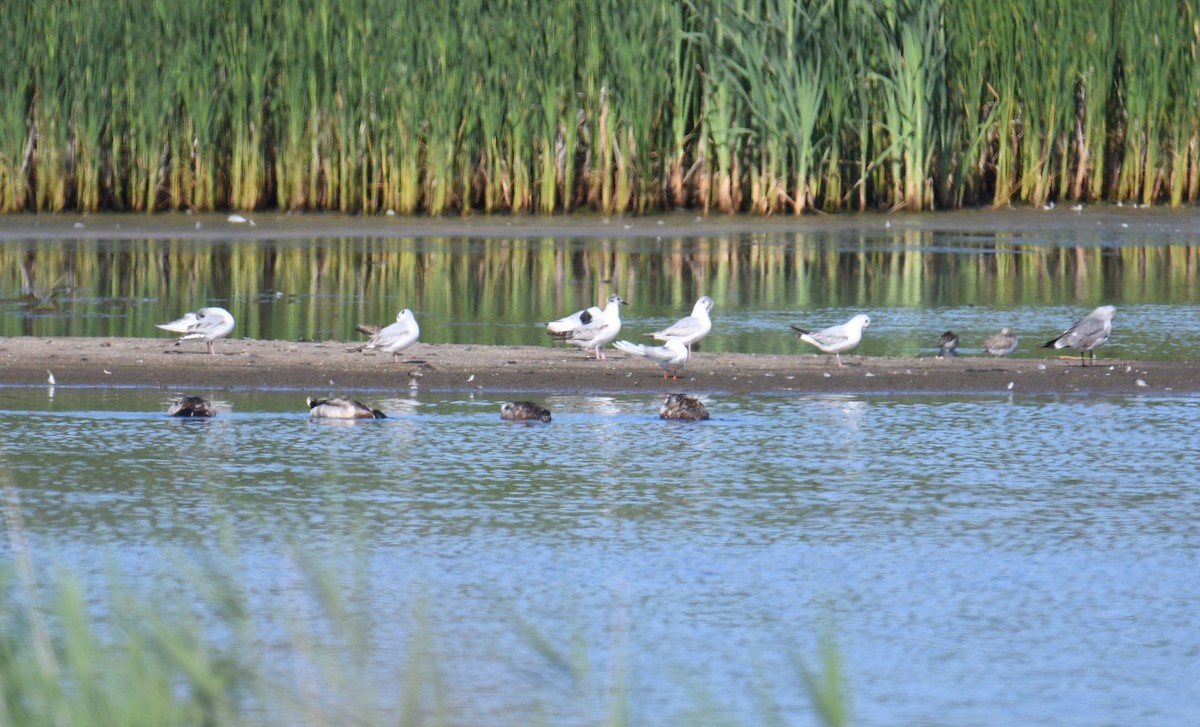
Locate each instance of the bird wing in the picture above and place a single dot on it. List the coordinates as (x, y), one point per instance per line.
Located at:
(831, 336)
(682, 328)
(576, 320)
(389, 334)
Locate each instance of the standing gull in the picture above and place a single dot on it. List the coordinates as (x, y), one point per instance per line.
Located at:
(592, 328)
(691, 329)
(837, 339)
(206, 324)
(671, 356)
(395, 338)
(1002, 343)
(1087, 333)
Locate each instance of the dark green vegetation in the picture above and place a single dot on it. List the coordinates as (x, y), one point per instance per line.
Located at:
(763, 106)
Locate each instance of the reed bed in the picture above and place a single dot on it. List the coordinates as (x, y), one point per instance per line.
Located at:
(760, 106)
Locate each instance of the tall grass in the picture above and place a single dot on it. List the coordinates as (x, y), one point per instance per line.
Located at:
(763, 106)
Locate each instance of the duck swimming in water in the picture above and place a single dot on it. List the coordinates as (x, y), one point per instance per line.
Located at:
(524, 411)
(341, 408)
(191, 406)
(683, 406)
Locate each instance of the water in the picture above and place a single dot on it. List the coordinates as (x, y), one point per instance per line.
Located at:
(978, 560)
(490, 282)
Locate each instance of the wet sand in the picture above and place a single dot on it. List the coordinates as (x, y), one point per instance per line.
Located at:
(328, 367)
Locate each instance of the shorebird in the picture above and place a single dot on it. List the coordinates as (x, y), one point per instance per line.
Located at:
(948, 345)
(683, 406)
(671, 356)
(1002, 343)
(191, 406)
(206, 324)
(1086, 334)
(341, 408)
(690, 329)
(592, 328)
(394, 338)
(524, 411)
(837, 339)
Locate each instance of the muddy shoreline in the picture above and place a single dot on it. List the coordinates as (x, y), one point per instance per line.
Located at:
(330, 367)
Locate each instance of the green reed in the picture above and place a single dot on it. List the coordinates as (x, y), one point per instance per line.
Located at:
(735, 105)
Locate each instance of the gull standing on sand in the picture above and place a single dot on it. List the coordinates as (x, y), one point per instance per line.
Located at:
(1087, 334)
(341, 408)
(395, 338)
(206, 324)
(591, 328)
(837, 339)
(671, 356)
(1002, 343)
(948, 345)
(691, 329)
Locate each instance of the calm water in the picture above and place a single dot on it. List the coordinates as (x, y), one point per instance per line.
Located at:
(981, 561)
(490, 282)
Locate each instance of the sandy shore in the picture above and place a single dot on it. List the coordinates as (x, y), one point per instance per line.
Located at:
(330, 367)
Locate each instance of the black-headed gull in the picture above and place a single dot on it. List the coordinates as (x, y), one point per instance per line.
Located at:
(1086, 334)
(206, 324)
(691, 329)
(671, 356)
(396, 337)
(837, 339)
(590, 329)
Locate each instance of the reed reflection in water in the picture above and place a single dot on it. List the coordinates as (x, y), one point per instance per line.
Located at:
(915, 283)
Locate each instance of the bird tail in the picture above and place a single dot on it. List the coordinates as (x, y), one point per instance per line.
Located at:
(636, 349)
(1052, 344)
(799, 331)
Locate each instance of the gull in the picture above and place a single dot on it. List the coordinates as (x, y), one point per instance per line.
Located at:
(683, 406)
(1002, 343)
(671, 356)
(591, 328)
(948, 344)
(191, 406)
(1087, 333)
(837, 339)
(341, 408)
(206, 324)
(524, 411)
(395, 338)
(691, 329)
